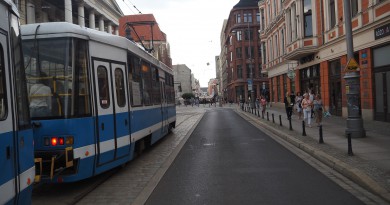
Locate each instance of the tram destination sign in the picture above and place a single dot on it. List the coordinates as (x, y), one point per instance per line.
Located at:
(382, 31)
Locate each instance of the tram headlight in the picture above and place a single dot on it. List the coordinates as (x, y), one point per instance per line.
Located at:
(54, 141)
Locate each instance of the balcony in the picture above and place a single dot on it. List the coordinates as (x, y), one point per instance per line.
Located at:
(301, 48)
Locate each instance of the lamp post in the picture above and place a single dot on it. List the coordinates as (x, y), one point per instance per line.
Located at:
(352, 86)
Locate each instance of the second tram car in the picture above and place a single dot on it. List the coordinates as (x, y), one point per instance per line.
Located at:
(96, 99)
(16, 137)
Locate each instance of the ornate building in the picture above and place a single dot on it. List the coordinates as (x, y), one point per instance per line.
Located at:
(100, 14)
(305, 49)
(242, 50)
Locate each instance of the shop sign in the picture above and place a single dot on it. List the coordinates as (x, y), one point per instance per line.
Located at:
(382, 31)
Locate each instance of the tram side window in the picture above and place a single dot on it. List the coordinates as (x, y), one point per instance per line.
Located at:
(147, 83)
(2, 86)
(120, 88)
(135, 80)
(156, 96)
(104, 97)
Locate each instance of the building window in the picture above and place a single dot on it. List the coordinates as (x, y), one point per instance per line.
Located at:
(307, 18)
(354, 7)
(276, 46)
(262, 19)
(239, 35)
(284, 84)
(248, 35)
(332, 10)
(264, 53)
(249, 52)
(239, 71)
(274, 7)
(282, 43)
(258, 16)
(248, 70)
(238, 52)
(248, 17)
(238, 18)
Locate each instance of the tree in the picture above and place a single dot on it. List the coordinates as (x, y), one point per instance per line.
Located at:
(188, 96)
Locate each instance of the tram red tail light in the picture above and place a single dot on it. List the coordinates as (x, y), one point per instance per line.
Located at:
(61, 141)
(54, 141)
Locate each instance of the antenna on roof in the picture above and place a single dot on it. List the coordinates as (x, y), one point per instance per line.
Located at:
(140, 23)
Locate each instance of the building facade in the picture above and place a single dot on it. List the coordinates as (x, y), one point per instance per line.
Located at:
(102, 15)
(145, 28)
(242, 50)
(183, 78)
(305, 49)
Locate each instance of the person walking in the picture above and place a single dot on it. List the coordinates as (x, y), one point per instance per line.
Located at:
(263, 103)
(311, 97)
(318, 109)
(288, 103)
(306, 107)
(298, 101)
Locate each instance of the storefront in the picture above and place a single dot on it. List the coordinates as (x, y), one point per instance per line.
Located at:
(335, 93)
(381, 63)
(310, 79)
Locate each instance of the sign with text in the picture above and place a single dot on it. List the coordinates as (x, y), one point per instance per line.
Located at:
(382, 31)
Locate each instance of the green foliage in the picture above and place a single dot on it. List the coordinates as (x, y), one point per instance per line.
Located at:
(188, 96)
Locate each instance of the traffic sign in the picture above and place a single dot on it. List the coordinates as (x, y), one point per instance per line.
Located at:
(352, 66)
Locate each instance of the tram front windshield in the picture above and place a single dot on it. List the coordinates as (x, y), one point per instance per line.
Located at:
(57, 77)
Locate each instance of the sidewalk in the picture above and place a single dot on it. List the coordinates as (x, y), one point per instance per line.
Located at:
(368, 167)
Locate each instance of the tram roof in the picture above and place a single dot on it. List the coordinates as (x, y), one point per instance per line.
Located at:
(13, 6)
(64, 29)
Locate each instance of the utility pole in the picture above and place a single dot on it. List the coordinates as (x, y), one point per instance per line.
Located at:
(352, 78)
(251, 69)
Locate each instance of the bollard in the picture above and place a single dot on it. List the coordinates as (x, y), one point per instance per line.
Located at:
(321, 138)
(280, 120)
(303, 128)
(350, 153)
(273, 119)
(262, 115)
(289, 121)
(258, 112)
(252, 111)
(267, 116)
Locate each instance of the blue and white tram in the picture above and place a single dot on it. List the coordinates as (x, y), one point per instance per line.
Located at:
(16, 136)
(107, 99)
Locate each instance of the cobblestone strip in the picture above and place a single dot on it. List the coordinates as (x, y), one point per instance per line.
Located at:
(130, 182)
(357, 169)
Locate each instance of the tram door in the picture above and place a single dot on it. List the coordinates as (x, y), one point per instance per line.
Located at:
(112, 108)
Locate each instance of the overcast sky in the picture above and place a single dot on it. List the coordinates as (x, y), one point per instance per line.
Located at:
(193, 29)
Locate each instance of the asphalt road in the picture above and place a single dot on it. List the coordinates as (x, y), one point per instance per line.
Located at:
(227, 160)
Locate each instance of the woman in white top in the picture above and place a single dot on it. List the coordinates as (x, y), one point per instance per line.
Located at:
(306, 108)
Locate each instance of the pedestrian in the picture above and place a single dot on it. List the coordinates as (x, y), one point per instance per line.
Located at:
(311, 97)
(318, 108)
(288, 103)
(306, 107)
(298, 101)
(257, 103)
(40, 98)
(263, 103)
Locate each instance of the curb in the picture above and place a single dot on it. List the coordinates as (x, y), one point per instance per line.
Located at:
(352, 173)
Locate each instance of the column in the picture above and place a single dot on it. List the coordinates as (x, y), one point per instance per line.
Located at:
(92, 19)
(81, 18)
(30, 12)
(68, 11)
(116, 31)
(101, 23)
(45, 17)
(109, 28)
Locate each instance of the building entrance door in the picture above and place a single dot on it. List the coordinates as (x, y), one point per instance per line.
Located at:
(382, 99)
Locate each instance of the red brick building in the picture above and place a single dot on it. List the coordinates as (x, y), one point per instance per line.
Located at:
(305, 40)
(243, 53)
(145, 25)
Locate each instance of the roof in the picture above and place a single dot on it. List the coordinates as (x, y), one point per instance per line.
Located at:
(142, 30)
(246, 3)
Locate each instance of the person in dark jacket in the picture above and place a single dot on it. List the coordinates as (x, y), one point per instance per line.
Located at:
(289, 103)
